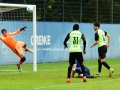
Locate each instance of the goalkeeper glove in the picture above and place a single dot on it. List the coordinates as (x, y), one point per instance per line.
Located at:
(23, 28)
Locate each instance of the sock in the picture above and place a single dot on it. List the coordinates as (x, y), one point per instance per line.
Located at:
(69, 71)
(99, 66)
(19, 63)
(83, 70)
(106, 65)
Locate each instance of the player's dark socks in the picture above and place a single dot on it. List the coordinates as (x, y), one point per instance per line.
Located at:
(106, 65)
(69, 71)
(83, 69)
(99, 66)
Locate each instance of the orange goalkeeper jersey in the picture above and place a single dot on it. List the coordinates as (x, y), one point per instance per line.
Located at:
(9, 40)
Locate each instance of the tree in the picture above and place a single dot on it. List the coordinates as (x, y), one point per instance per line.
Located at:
(105, 11)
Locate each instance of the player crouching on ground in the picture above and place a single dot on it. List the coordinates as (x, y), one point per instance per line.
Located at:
(77, 69)
(14, 45)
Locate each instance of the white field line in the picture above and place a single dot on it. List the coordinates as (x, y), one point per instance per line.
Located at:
(49, 69)
(8, 70)
(69, 84)
(13, 71)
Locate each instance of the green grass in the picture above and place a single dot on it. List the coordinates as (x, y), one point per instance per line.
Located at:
(52, 76)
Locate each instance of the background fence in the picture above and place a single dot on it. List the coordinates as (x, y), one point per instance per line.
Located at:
(103, 11)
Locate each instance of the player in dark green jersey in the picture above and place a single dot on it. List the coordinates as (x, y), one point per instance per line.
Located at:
(75, 50)
(102, 48)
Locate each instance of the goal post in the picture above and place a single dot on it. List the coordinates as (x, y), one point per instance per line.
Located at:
(34, 40)
(9, 13)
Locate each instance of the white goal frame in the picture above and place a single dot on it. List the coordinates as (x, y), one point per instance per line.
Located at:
(34, 28)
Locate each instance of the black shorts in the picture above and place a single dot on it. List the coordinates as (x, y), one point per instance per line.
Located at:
(102, 51)
(75, 56)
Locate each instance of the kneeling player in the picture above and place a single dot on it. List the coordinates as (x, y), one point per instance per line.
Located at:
(77, 69)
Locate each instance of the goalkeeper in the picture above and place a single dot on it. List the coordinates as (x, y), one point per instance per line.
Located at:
(77, 69)
(14, 45)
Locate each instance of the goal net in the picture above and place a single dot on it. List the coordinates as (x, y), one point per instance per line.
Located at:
(12, 18)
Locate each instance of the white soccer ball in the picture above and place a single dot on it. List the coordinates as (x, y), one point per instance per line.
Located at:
(30, 9)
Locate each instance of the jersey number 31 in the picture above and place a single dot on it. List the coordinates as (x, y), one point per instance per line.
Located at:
(75, 40)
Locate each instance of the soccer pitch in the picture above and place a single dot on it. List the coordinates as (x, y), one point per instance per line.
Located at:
(52, 76)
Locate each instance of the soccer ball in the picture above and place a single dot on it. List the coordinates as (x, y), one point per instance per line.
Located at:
(30, 9)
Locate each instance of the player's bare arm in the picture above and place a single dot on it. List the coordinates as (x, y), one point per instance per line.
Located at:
(96, 42)
(108, 40)
(18, 31)
(73, 70)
